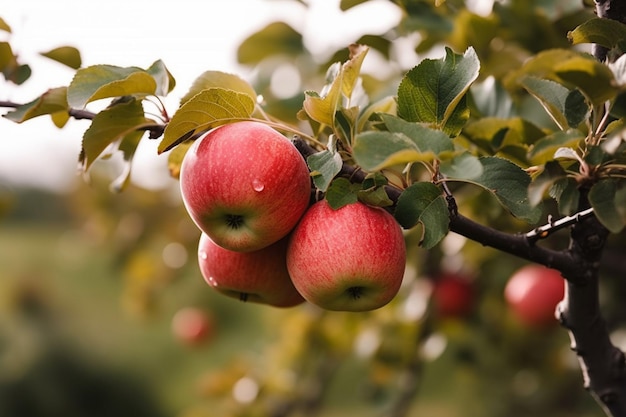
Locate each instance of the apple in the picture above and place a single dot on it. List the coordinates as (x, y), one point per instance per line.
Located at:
(350, 259)
(453, 295)
(260, 276)
(533, 293)
(245, 185)
(192, 325)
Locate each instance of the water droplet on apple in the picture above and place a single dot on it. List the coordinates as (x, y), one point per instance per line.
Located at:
(203, 256)
(257, 185)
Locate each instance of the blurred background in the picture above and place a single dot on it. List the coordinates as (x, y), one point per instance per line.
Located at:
(103, 311)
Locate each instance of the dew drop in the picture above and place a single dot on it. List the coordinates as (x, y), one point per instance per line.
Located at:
(203, 256)
(257, 185)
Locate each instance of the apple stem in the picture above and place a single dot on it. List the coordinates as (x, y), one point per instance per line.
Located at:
(243, 296)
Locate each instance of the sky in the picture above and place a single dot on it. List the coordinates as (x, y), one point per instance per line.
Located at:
(190, 36)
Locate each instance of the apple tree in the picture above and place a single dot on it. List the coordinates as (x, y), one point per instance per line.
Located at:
(502, 143)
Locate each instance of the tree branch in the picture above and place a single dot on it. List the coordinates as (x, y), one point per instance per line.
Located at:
(155, 131)
(602, 364)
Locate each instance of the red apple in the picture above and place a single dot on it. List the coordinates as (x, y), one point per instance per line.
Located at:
(192, 325)
(245, 185)
(453, 295)
(533, 292)
(260, 276)
(350, 259)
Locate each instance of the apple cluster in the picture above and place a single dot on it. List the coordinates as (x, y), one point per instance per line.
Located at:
(263, 240)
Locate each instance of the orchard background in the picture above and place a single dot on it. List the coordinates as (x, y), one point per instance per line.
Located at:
(493, 132)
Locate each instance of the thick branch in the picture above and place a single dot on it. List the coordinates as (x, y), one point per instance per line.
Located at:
(602, 364)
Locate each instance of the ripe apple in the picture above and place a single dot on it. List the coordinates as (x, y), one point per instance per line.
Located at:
(245, 185)
(260, 276)
(453, 295)
(350, 259)
(192, 325)
(533, 292)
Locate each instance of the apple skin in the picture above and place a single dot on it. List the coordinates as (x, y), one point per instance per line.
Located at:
(533, 293)
(193, 326)
(351, 259)
(260, 276)
(245, 185)
(453, 295)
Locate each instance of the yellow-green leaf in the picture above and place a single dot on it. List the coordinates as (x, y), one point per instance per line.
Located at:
(104, 81)
(219, 79)
(605, 32)
(111, 125)
(4, 25)
(164, 79)
(51, 102)
(66, 55)
(175, 158)
(205, 110)
(573, 69)
(351, 69)
(322, 109)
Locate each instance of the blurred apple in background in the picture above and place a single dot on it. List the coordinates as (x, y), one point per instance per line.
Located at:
(532, 293)
(193, 326)
(453, 295)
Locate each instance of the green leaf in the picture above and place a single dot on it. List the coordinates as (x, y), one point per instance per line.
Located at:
(573, 70)
(426, 139)
(431, 91)
(544, 149)
(66, 55)
(277, 38)
(164, 79)
(111, 125)
(104, 81)
(605, 32)
(463, 165)
(608, 201)
(50, 102)
(374, 150)
(342, 192)
(551, 173)
(508, 183)
(219, 79)
(324, 166)
(493, 133)
(128, 146)
(423, 202)
(373, 191)
(405, 142)
(565, 192)
(567, 108)
(210, 108)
